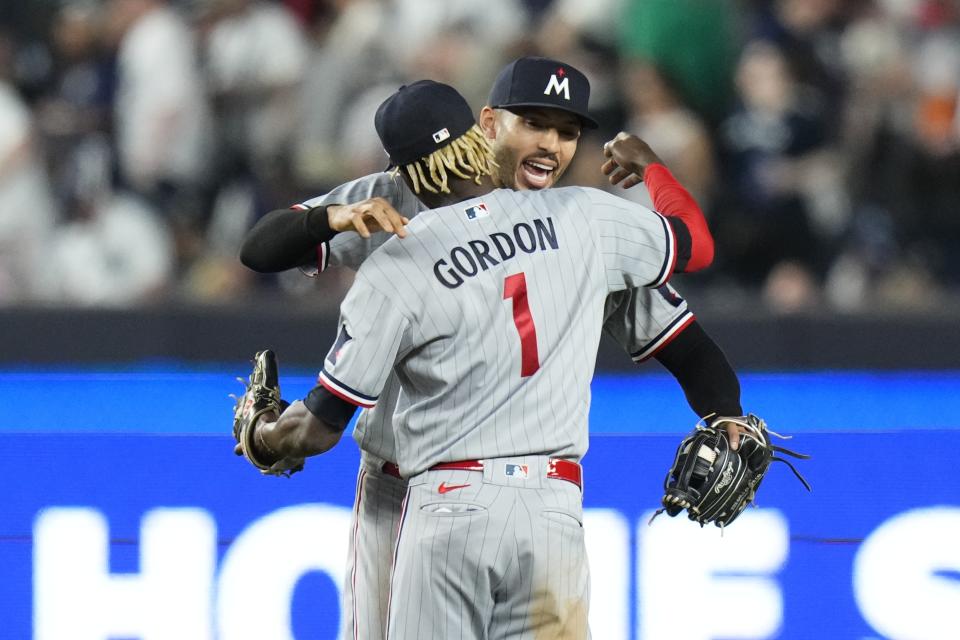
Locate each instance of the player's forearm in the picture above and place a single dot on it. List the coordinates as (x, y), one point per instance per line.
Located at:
(285, 239)
(296, 434)
(706, 377)
(695, 242)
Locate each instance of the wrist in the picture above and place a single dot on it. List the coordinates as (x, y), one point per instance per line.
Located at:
(655, 168)
(318, 223)
(261, 450)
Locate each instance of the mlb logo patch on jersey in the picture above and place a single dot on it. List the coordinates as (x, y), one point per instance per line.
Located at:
(477, 211)
(516, 471)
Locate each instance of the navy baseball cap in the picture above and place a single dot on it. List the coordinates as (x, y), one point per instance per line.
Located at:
(542, 82)
(420, 118)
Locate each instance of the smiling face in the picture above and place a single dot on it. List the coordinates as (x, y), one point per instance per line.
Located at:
(533, 146)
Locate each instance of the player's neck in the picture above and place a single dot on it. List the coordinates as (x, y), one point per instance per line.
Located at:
(459, 190)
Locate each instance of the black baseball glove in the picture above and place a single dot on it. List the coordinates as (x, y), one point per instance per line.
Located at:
(261, 395)
(714, 483)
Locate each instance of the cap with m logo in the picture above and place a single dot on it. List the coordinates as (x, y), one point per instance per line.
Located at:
(543, 82)
(559, 87)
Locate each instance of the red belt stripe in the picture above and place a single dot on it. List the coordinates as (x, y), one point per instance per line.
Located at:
(557, 468)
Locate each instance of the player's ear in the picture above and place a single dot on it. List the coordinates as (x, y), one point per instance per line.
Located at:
(488, 122)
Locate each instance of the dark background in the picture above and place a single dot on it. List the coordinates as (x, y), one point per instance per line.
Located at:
(753, 340)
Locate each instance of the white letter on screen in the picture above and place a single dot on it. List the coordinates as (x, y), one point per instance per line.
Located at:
(893, 575)
(77, 597)
(607, 537)
(263, 565)
(680, 563)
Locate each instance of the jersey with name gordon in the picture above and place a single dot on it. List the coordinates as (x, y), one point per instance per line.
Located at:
(492, 311)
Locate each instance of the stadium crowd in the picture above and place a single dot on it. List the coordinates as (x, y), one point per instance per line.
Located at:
(140, 139)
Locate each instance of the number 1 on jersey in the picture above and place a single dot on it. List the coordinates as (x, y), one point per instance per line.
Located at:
(515, 288)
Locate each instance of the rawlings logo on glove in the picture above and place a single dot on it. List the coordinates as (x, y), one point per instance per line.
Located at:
(714, 483)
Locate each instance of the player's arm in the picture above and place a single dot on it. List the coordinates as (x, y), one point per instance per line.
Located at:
(705, 375)
(630, 160)
(643, 321)
(285, 239)
(289, 238)
(703, 371)
(306, 428)
(372, 334)
(638, 247)
(657, 323)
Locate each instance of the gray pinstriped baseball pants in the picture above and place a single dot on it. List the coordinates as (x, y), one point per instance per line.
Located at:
(490, 556)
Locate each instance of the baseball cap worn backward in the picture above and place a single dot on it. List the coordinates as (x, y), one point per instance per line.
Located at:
(420, 118)
(542, 82)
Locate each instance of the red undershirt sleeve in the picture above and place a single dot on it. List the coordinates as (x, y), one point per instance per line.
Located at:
(675, 202)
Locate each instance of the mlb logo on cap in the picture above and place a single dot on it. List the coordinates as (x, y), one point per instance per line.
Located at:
(477, 211)
(441, 135)
(516, 471)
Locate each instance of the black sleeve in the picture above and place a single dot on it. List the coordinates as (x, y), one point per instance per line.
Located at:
(702, 369)
(284, 239)
(684, 243)
(328, 408)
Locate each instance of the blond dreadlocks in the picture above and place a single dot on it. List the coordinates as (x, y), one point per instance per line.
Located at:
(469, 157)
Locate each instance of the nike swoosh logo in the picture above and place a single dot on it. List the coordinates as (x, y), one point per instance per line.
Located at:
(445, 488)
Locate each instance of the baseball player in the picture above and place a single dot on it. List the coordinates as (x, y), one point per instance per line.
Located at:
(490, 311)
(643, 321)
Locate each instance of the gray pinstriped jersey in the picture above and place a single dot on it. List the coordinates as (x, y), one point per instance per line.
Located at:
(492, 310)
(640, 320)
(350, 249)
(643, 320)
(374, 428)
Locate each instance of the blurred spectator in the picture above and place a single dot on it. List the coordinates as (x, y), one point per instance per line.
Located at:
(362, 150)
(876, 134)
(905, 69)
(827, 154)
(415, 23)
(679, 136)
(930, 224)
(938, 78)
(350, 57)
(162, 120)
(116, 250)
(389, 42)
(768, 148)
(27, 211)
(567, 23)
(807, 32)
(256, 54)
(695, 41)
(77, 104)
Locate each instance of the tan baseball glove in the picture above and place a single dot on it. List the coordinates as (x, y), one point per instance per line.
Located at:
(261, 395)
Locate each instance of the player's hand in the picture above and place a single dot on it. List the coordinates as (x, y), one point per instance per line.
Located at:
(367, 217)
(267, 417)
(734, 430)
(627, 158)
(733, 434)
